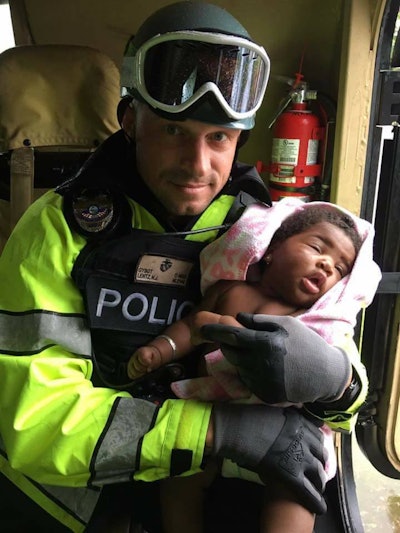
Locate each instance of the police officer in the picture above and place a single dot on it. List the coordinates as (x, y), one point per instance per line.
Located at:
(105, 262)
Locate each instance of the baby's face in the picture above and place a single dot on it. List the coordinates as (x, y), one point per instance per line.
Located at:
(305, 266)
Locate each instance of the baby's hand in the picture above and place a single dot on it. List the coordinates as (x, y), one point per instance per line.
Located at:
(203, 318)
(144, 360)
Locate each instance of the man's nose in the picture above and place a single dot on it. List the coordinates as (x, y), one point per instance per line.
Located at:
(195, 156)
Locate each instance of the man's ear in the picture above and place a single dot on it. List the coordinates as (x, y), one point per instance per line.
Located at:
(128, 121)
(126, 115)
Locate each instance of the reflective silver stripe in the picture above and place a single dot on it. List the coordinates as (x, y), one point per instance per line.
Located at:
(117, 455)
(79, 502)
(33, 331)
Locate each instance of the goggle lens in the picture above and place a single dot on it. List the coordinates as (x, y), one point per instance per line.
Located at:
(174, 71)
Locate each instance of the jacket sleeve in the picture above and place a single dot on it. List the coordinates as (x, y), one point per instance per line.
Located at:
(344, 420)
(56, 427)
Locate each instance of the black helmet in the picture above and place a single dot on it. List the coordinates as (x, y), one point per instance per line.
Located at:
(195, 60)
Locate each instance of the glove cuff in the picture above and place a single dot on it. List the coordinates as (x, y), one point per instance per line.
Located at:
(235, 427)
(343, 403)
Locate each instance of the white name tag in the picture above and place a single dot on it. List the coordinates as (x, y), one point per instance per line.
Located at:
(163, 270)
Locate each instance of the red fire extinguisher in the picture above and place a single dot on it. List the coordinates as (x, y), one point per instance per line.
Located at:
(298, 135)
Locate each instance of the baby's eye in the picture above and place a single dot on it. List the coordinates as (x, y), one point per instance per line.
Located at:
(341, 269)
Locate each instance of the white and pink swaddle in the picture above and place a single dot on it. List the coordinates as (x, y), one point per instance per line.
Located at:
(234, 256)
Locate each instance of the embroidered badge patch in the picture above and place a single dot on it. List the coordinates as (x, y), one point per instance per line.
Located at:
(93, 213)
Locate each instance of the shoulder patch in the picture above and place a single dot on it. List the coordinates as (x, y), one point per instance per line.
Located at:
(93, 211)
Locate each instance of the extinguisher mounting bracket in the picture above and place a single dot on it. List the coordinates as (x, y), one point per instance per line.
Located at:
(281, 169)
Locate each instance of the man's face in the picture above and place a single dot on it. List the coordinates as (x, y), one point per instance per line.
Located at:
(184, 163)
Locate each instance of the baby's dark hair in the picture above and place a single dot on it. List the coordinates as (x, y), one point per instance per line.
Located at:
(313, 214)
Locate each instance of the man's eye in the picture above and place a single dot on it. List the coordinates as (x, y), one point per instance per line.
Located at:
(219, 136)
(171, 129)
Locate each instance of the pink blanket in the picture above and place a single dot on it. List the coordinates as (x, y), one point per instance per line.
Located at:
(235, 256)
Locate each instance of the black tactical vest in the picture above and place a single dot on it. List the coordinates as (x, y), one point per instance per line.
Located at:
(134, 287)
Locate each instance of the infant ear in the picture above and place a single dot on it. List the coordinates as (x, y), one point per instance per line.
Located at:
(267, 258)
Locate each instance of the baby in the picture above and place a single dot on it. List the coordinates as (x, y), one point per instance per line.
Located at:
(291, 259)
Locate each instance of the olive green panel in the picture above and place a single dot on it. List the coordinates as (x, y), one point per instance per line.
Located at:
(361, 26)
(389, 409)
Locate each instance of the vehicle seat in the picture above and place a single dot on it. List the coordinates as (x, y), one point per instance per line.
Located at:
(57, 104)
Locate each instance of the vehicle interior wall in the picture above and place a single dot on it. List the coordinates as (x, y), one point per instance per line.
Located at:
(378, 430)
(300, 35)
(331, 43)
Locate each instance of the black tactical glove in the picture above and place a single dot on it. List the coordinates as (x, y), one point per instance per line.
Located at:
(280, 359)
(276, 443)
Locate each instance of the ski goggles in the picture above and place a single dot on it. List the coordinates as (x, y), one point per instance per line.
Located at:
(173, 71)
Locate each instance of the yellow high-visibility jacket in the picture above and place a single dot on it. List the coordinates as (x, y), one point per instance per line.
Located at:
(61, 437)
